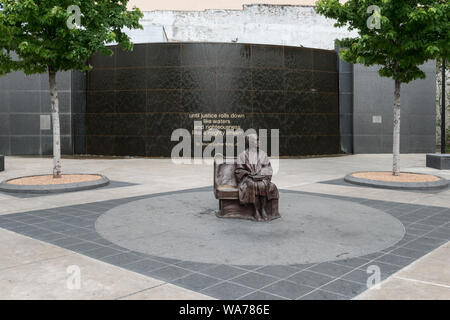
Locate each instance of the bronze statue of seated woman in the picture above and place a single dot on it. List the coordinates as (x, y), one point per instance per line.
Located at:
(244, 187)
(254, 175)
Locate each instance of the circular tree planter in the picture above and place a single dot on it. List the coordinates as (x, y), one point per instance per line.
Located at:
(42, 184)
(406, 180)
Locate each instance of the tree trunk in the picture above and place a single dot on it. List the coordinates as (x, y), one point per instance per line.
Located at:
(55, 122)
(396, 144)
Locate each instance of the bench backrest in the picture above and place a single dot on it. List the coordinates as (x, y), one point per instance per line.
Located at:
(224, 173)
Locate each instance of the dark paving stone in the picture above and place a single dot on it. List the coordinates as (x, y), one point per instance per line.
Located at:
(359, 276)
(249, 268)
(331, 269)
(385, 269)
(7, 224)
(278, 271)
(421, 226)
(310, 279)
(353, 262)
(102, 252)
(403, 209)
(433, 222)
(53, 217)
(103, 242)
(382, 205)
(35, 232)
(83, 247)
(48, 237)
(259, 295)
(28, 219)
(424, 245)
(194, 266)
(116, 247)
(346, 288)
(395, 260)
(323, 295)
(169, 273)
(409, 253)
(438, 234)
(254, 280)
(196, 282)
(21, 227)
(227, 291)
(122, 259)
(91, 218)
(302, 266)
(76, 232)
(58, 227)
(416, 232)
(224, 272)
(409, 219)
(15, 215)
(406, 239)
(89, 236)
(66, 242)
(164, 260)
(145, 266)
(427, 211)
(287, 289)
(430, 241)
(79, 222)
(35, 213)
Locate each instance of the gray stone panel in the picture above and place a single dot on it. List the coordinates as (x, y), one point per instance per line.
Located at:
(346, 104)
(47, 145)
(24, 124)
(4, 123)
(4, 145)
(64, 101)
(25, 145)
(23, 99)
(374, 96)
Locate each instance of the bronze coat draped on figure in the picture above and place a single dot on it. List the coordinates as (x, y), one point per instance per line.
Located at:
(254, 174)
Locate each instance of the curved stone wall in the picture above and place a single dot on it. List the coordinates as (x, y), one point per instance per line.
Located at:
(136, 99)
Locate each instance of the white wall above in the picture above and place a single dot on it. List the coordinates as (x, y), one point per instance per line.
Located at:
(258, 24)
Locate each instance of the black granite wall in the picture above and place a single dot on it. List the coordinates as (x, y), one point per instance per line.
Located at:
(136, 99)
(25, 114)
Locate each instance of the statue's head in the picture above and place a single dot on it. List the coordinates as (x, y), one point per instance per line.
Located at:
(251, 141)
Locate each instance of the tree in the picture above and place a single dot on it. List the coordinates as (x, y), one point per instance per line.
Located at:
(60, 35)
(398, 35)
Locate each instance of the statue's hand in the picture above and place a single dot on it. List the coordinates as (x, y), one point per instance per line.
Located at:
(258, 177)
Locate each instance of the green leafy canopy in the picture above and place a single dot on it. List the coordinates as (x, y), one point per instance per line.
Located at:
(37, 32)
(410, 33)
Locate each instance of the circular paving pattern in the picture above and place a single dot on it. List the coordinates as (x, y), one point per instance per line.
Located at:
(312, 229)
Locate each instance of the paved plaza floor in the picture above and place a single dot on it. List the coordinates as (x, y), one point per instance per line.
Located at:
(152, 234)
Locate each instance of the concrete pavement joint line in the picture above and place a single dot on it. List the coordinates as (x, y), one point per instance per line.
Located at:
(37, 261)
(421, 281)
(139, 291)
